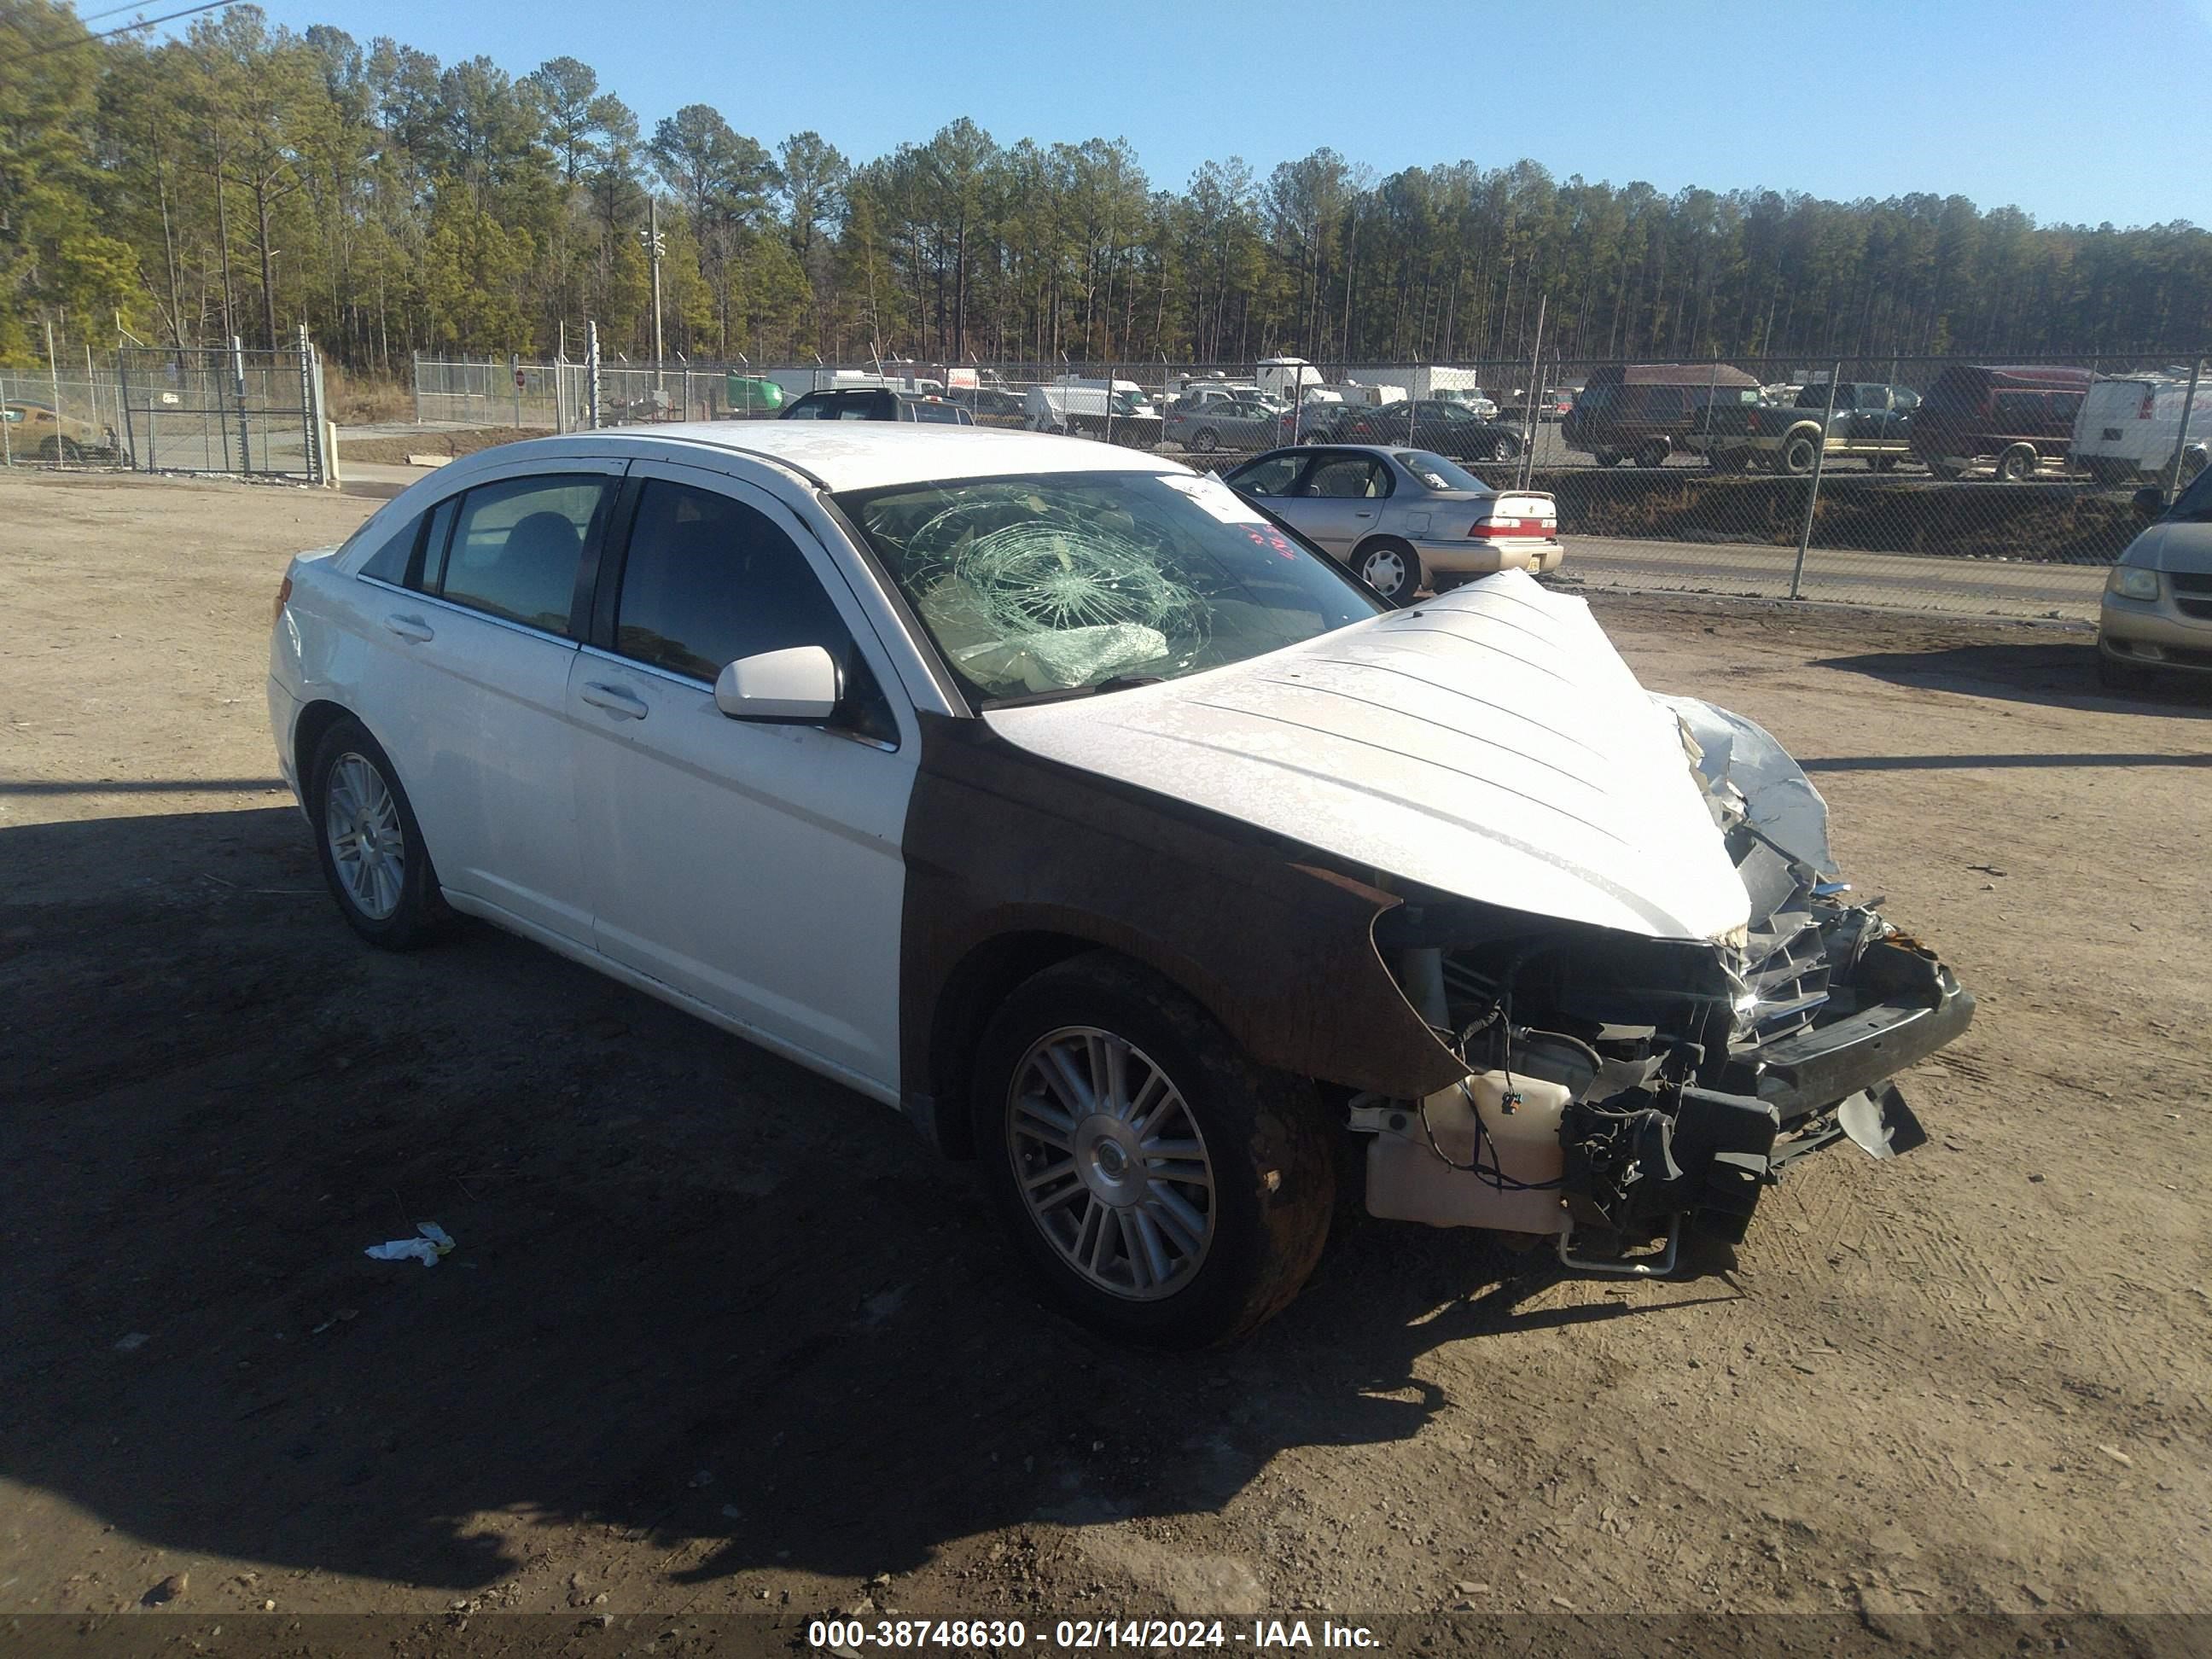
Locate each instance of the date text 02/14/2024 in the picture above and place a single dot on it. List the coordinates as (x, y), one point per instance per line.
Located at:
(845, 1639)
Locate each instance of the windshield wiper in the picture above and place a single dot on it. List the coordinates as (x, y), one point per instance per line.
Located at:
(1127, 682)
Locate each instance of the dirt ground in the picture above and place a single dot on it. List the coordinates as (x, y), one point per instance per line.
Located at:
(386, 450)
(719, 1336)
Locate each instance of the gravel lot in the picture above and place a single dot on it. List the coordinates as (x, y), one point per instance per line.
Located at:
(719, 1336)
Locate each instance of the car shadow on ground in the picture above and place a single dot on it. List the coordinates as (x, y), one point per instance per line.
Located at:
(698, 1295)
(2058, 673)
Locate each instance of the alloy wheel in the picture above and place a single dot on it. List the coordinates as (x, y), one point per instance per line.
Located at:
(368, 848)
(1110, 1162)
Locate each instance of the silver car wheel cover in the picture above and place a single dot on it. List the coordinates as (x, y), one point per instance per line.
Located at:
(369, 847)
(1383, 569)
(1111, 1163)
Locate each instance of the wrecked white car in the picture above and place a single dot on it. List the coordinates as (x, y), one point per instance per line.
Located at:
(1058, 797)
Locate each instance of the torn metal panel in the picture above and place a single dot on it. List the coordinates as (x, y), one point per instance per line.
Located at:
(1739, 757)
(1490, 745)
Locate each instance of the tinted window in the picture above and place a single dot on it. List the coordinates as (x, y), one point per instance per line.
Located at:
(708, 581)
(515, 547)
(389, 562)
(2195, 502)
(1269, 477)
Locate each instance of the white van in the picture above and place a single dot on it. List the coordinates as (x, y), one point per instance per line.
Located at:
(1094, 409)
(2127, 428)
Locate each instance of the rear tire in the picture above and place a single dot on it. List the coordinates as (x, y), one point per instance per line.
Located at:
(1205, 440)
(369, 843)
(1391, 568)
(1190, 1200)
(1653, 452)
(2018, 463)
(61, 449)
(1797, 455)
(1947, 474)
(1507, 448)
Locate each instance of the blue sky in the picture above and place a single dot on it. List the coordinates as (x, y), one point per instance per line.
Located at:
(2073, 110)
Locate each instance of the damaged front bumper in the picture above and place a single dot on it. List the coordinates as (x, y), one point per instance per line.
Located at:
(1623, 1089)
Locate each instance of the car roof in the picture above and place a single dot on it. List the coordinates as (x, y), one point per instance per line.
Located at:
(863, 454)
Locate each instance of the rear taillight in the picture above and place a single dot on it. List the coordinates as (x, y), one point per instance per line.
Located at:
(283, 596)
(1485, 530)
(2142, 409)
(1751, 422)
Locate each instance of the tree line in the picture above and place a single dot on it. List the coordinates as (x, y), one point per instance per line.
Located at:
(245, 179)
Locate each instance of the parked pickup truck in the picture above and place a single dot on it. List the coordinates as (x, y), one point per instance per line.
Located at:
(1870, 420)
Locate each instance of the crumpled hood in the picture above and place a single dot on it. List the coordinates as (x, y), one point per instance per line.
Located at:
(1490, 744)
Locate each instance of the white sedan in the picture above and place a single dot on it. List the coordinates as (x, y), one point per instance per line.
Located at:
(1060, 797)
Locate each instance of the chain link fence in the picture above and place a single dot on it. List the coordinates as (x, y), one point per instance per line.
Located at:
(210, 410)
(2004, 484)
(65, 422)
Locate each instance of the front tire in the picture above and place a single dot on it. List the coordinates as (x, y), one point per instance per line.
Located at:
(1391, 568)
(1205, 440)
(1507, 448)
(369, 843)
(2018, 463)
(1163, 1187)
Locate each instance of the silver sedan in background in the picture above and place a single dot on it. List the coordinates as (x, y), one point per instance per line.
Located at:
(1224, 425)
(1398, 517)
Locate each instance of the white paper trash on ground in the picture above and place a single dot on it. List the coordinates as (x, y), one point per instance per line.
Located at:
(434, 1242)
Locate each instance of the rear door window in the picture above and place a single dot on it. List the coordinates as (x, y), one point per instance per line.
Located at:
(1349, 478)
(516, 546)
(389, 562)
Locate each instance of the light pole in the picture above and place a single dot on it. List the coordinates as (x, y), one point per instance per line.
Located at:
(655, 245)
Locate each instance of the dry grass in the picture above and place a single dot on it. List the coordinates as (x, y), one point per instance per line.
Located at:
(356, 400)
(395, 451)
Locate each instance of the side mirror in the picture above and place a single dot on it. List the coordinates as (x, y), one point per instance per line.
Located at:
(801, 685)
(2150, 500)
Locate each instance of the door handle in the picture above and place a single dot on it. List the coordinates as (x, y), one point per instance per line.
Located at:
(409, 628)
(616, 700)
(1364, 512)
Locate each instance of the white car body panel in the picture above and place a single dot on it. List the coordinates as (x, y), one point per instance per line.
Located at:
(1490, 744)
(639, 853)
(697, 825)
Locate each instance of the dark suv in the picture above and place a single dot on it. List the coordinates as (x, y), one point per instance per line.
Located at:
(2021, 416)
(1646, 411)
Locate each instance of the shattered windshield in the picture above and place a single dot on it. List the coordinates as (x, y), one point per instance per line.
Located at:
(1048, 585)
